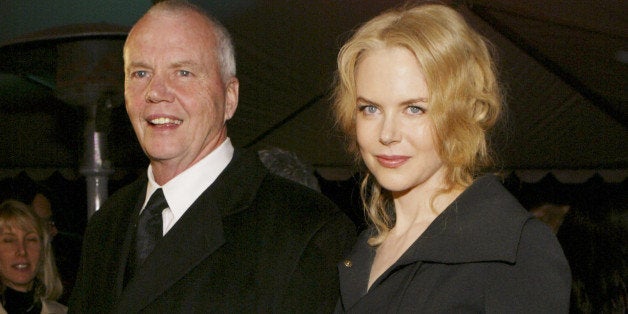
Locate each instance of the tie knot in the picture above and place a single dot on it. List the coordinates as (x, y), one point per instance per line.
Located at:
(156, 203)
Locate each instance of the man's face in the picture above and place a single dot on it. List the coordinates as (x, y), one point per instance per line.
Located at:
(175, 97)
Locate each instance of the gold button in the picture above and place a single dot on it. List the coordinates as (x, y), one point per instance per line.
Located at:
(348, 263)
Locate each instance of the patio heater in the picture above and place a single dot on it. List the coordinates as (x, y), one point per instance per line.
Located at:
(86, 61)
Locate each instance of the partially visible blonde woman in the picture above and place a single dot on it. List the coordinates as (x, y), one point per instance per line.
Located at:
(30, 282)
(416, 95)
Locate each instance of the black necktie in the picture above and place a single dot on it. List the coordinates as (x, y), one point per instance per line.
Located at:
(149, 226)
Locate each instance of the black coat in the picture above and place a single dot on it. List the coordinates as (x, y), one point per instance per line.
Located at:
(251, 243)
(483, 254)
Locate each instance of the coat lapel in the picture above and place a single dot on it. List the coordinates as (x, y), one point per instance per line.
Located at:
(128, 240)
(197, 234)
(354, 271)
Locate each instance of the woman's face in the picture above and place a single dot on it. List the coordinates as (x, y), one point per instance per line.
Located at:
(19, 257)
(394, 133)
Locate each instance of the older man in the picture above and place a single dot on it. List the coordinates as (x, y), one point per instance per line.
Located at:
(231, 236)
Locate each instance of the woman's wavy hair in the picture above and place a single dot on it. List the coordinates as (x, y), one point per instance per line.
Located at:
(15, 214)
(464, 96)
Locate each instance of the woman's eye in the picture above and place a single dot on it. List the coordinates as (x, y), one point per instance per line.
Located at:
(184, 73)
(8, 240)
(415, 110)
(368, 109)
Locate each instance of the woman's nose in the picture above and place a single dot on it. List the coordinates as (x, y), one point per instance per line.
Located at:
(389, 133)
(21, 249)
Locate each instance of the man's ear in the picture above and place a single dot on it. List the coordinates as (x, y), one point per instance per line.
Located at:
(231, 97)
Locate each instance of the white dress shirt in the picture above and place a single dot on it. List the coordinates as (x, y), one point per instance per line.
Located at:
(185, 188)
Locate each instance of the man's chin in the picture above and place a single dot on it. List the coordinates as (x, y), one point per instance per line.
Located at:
(160, 155)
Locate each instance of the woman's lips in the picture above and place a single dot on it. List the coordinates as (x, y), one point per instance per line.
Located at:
(22, 267)
(391, 161)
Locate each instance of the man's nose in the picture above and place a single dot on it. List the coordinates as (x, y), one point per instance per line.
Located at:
(158, 90)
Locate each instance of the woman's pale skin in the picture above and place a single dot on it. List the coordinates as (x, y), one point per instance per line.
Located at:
(20, 251)
(396, 141)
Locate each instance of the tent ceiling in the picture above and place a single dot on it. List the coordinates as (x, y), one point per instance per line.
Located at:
(563, 64)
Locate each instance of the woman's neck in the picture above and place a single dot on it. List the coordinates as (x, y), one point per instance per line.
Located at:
(15, 301)
(421, 205)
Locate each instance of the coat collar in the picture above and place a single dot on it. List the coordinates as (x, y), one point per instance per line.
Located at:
(197, 234)
(47, 307)
(483, 224)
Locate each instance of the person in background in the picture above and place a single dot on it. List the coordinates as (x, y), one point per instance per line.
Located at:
(30, 283)
(551, 214)
(288, 165)
(25, 190)
(208, 229)
(591, 227)
(65, 245)
(416, 94)
(596, 250)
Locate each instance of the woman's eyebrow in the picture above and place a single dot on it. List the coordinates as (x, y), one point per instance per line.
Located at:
(406, 102)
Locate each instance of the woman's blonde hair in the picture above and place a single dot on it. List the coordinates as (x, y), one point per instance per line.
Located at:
(464, 95)
(15, 214)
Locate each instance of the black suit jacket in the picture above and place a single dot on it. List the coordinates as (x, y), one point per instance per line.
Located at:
(251, 243)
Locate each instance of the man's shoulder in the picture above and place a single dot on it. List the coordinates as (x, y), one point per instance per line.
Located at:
(293, 194)
(130, 189)
(123, 200)
(284, 205)
(271, 189)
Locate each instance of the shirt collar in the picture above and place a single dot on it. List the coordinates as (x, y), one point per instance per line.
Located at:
(185, 188)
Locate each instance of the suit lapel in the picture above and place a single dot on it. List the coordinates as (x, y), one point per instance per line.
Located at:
(194, 237)
(129, 241)
(119, 238)
(197, 234)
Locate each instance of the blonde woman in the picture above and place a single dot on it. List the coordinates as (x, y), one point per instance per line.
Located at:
(416, 95)
(30, 283)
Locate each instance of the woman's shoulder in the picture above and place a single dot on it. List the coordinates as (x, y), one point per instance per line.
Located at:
(537, 237)
(53, 307)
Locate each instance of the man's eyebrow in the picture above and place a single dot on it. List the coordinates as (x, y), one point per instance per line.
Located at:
(183, 63)
(137, 64)
(140, 64)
